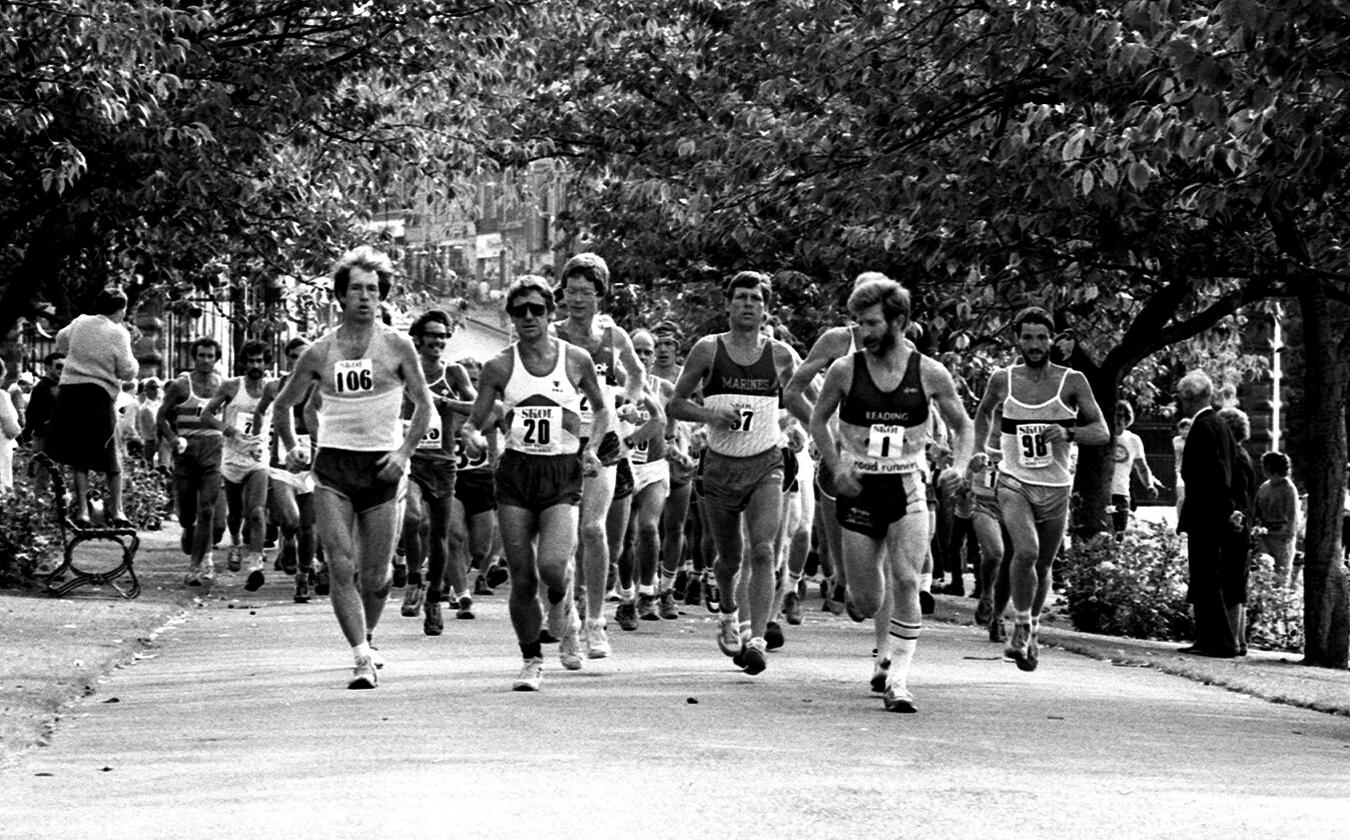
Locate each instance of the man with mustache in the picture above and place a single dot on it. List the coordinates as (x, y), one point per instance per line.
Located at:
(246, 427)
(1046, 407)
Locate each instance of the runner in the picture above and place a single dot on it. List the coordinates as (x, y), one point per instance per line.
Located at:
(290, 492)
(1046, 407)
(431, 494)
(676, 518)
(245, 427)
(196, 463)
(651, 487)
(540, 381)
(995, 558)
(585, 281)
(362, 370)
(474, 515)
(742, 372)
(882, 395)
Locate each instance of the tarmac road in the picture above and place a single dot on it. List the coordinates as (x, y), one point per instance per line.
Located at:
(235, 721)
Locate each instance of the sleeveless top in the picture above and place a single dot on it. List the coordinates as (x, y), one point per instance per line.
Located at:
(606, 361)
(752, 390)
(884, 432)
(653, 450)
(543, 413)
(188, 414)
(358, 412)
(1027, 456)
(239, 414)
(435, 444)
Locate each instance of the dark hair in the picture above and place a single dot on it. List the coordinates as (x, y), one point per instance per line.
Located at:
(750, 280)
(52, 358)
(110, 301)
(369, 259)
(1275, 463)
(893, 297)
(526, 283)
(1032, 315)
(592, 267)
(253, 347)
(438, 316)
(296, 342)
(1124, 405)
(205, 341)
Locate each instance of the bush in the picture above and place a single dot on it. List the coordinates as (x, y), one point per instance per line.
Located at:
(1274, 612)
(1135, 587)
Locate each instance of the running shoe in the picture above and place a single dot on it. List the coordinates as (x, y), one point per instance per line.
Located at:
(234, 561)
(984, 611)
(681, 580)
(926, 603)
(569, 648)
(996, 631)
(754, 660)
(206, 574)
(364, 675)
(531, 676)
(547, 638)
(193, 576)
(597, 640)
(497, 574)
(668, 610)
(1033, 655)
(693, 592)
(712, 597)
(1018, 646)
(792, 608)
(646, 608)
(289, 562)
(322, 584)
(880, 673)
(899, 700)
(480, 587)
(465, 609)
(626, 616)
(302, 589)
(838, 597)
(255, 574)
(729, 636)
(412, 600)
(852, 610)
(773, 636)
(433, 624)
(375, 656)
(401, 576)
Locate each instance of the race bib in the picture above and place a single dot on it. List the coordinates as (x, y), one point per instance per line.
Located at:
(746, 422)
(1033, 450)
(464, 462)
(536, 427)
(433, 437)
(354, 376)
(885, 441)
(243, 423)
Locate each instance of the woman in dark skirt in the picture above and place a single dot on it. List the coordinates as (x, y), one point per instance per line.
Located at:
(83, 430)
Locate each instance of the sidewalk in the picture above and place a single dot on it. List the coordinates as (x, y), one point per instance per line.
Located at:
(62, 648)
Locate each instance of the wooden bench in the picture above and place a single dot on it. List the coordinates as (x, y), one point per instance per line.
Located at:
(75, 570)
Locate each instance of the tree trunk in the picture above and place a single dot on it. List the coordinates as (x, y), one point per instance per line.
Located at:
(1326, 602)
(1092, 480)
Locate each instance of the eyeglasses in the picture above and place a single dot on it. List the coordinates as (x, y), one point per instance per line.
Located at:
(579, 291)
(440, 336)
(520, 310)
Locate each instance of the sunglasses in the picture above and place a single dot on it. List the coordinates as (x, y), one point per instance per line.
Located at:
(520, 310)
(437, 335)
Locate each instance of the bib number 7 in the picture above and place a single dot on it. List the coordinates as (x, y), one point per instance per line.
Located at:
(742, 424)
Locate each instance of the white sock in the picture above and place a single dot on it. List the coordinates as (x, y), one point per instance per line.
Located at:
(926, 582)
(647, 589)
(902, 655)
(361, 650)
(627, 595)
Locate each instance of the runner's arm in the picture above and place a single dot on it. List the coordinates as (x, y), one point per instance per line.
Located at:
(942, 389)
(635, 373)
(297, 388)
(1093, 432)
(223, 397)
(696, 366)
(831, 394)
(984, 412)
(416, 390)
(795, 394)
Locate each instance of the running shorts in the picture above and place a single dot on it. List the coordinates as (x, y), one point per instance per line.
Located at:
(652, 472)
(435, 476)
(609, 451)
(538, 482)
(730, 482)
(883, 501)
(354, 475)
(1046, 503)
(477, 491)
(623, 479)
(299, 482)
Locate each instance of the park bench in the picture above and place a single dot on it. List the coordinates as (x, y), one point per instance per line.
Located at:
(90, 556)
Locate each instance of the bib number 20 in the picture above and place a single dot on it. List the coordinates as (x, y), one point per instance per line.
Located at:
(537, 431)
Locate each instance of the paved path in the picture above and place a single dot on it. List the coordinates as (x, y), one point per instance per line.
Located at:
(235, 722)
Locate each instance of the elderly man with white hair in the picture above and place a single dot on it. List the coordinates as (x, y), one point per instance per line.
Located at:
(1208, 465)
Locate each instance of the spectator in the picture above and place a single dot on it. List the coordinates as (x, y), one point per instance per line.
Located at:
(128, 431)
(1208, 464)
(1276, 515)
(147, 409)
(1237, 537)
(1178, 444)
(83, 430)
(10, 429)
(19, 391)
(1127, 457)
(42, 401)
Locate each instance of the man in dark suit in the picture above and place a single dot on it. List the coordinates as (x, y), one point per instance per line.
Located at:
(1207, 467)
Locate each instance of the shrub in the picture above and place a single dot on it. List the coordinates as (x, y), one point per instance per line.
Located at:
(1135, 587)
(1274, 612)
(29, 537)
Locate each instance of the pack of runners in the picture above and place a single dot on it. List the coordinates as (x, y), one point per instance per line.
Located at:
(585, 464)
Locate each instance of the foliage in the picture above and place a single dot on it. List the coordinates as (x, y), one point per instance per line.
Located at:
(1274, 612)
(1135, 587)
(29, 537)
(144, 495)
